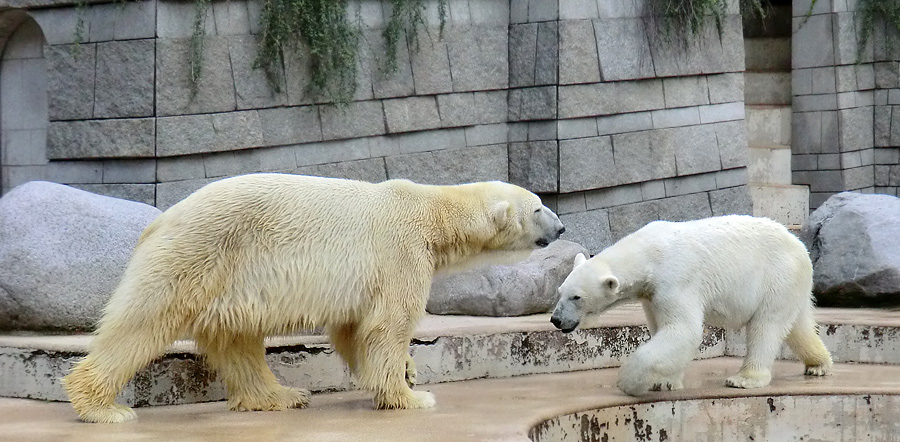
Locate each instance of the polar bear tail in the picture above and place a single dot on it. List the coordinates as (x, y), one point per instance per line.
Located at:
(805, 342)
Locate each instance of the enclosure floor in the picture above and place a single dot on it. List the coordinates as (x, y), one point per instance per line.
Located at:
(480, 410)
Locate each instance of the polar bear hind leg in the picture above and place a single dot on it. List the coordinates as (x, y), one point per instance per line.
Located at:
(241, 362)
(765, 334)
(805, 342)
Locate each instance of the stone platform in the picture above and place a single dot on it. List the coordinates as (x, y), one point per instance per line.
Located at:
(543, 385)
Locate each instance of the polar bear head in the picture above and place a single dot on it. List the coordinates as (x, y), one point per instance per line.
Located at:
(522, 221)
(590, 288)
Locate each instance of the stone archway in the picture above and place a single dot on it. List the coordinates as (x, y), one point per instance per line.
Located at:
(23, 101)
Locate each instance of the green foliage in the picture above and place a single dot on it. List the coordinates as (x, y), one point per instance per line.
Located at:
(201, 8)
(684, 20)
(872, 12)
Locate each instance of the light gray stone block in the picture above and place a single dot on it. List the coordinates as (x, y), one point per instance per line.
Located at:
(801, 81)
(412, 113)
(357, 119)
(685, 91)
(830, 136)
(856, 128)
(139, 193)
(70, 172)
(570, 203)
(518, 11)
(537, 103)
(887, 156)
(685, 116)
(580, 128)
(208, 133)
(542, 130)
(685, 207)
(254, 15)
(812, 103)
(715, 113)
(586, 163)
(457, 109)
(215, 91)
(180, 168)
(684, 185)
(651, 190)
(830, 161)
(696, 149)
(586, 100)
(101, 139)
(59, 25)
(124, 79)
(624, 220)
(881, 97)
(542, 10)
(176, 20)
(493, 106)
(643, 156)
(726, 88)
(578, 9)
(620, 9)
(332, 151)
(887, 75)
(231, 17)
(25, 147)
(846, 45)
(431, 66)
(484, 163)
(823, 80)
(865, 76)
(298, 77)
(371, 170)
(252, 87)
(612, 196)
(859, 178)
(522, 54)
(578, 60)
(534, 166)
(806, 132)
(546, 64)
(845, 78)
(290, 125)
(713, 53)
(590, 229)
(267, 159)
(485, 134)
(732, 177)
(623, 49)
(478, 58)
(731, 201)
(135, 20)
(70, 81)
(101, 24)
(867, 157)
(812, 44)
(129, 171)
(385, 83)
(12, 176)
(384, 145)
(222, 164)
(518, 132)
(732, 140)
(490, 12)
(634, 96)
(851, 159)
(621, 123)
(430, 140)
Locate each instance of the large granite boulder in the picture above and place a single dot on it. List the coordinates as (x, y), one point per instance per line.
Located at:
(524, 288)
(62, 252)
(854, 243)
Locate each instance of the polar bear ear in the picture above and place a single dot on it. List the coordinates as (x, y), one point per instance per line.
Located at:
(610, 283)
(500, 213)
(579, 259)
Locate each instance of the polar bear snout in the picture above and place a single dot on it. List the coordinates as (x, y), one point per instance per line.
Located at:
(565, 326)
(551, 227)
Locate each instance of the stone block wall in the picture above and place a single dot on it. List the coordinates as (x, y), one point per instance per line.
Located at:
(843, 101)
(572, 99)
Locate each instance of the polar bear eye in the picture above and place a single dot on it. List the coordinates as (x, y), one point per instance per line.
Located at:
(576, 298)
(538, 210)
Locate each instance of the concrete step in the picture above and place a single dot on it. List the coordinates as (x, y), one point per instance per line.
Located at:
(768, 54)
(788, 205)
(768, 124)
(767, 87)
(769, 164)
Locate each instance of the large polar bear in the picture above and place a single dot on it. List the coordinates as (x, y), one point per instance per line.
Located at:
(731, 272)
(263, 254)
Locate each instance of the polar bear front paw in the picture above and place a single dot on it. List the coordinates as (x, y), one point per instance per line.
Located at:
(641, 384)
(282, 398)
(817, 370)
(744, 379)
(410, 400)
(108, 414)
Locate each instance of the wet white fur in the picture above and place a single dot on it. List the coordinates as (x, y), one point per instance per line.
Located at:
(265, 254)
(731, 272)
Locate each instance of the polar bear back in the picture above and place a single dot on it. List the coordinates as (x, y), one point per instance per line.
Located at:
(733, 263)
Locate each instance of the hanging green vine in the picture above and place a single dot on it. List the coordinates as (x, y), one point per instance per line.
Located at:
(872, 12)
(682, 20)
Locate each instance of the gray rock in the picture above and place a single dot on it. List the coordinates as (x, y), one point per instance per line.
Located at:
(506, 290)
(854, 243)
(62, 252)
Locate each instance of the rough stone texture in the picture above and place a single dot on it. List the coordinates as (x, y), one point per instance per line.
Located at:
(62, 252)
(70, 87)
(524, 288)
(586, 163)
(208, 133)
(522, 54)
(215, 91)
(371, 170)
(252, 87)
(101, 138)
(643, 156)
(411, 113)
(623, 48)
(357, 119)
(453, 166)
(534, 165)
(853, 240)
(478, 58)
(290, 125)
(537, 103)
(578, 62)
(124, 79)
(431, 66)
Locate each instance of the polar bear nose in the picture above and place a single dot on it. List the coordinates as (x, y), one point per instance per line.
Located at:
(561, 231)
(555, 321)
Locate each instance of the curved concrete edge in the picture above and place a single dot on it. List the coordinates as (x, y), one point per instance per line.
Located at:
(477, 410)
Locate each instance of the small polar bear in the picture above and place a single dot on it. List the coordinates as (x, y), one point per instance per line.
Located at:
(731, 272)
(263, 254)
